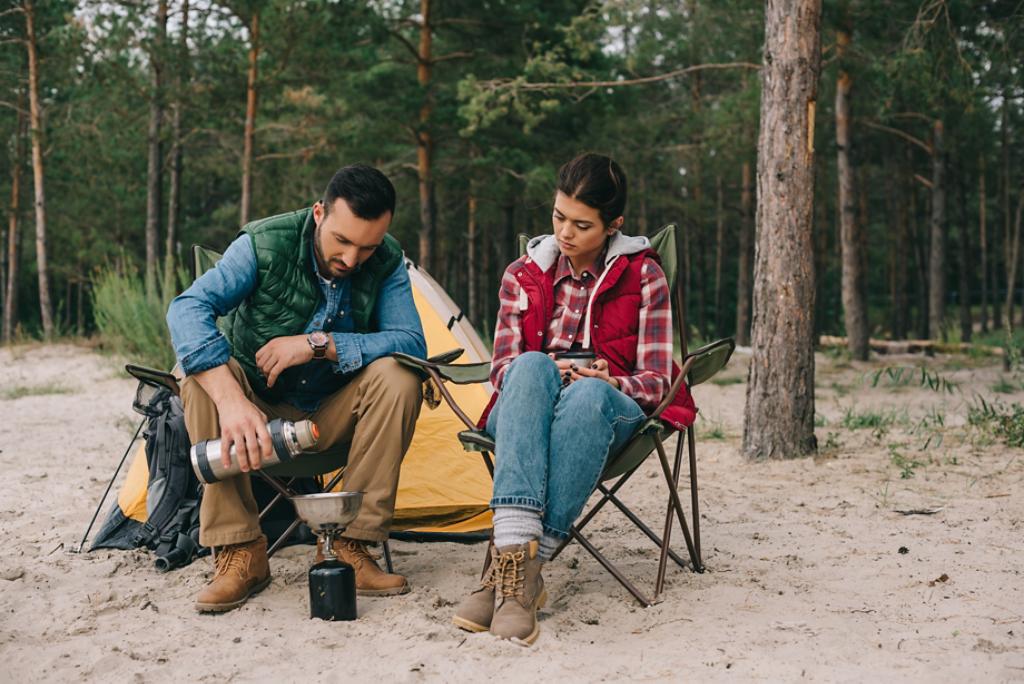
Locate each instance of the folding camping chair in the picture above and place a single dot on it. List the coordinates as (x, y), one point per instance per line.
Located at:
(697, 367)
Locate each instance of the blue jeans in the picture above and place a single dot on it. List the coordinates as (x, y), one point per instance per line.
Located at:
(552, 442)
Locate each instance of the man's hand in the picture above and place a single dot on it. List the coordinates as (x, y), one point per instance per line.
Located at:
(244, 425)
(282, 353)
(598, 370)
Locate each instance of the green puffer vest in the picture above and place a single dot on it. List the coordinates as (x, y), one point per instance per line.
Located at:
(287, 292)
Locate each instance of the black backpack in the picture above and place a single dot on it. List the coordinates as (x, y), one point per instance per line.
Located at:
(173, 492)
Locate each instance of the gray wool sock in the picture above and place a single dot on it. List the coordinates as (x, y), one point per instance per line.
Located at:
(548, 546)
(514, 526)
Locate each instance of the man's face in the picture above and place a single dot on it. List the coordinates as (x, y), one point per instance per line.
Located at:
(343, 241)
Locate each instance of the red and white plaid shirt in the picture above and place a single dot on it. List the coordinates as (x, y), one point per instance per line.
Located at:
(650, 380)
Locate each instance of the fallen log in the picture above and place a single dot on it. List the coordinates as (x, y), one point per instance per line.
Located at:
(927, 347)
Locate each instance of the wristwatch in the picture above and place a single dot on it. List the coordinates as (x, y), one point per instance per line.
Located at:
(318, 341)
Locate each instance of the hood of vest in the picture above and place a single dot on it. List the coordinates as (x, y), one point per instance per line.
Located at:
(544, 251)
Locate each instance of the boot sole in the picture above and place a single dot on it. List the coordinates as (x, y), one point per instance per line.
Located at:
(469, 625)
(396, 591)
(532, 637)
(225, 607)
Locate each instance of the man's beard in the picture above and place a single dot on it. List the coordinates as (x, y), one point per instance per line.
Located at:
(329, 265)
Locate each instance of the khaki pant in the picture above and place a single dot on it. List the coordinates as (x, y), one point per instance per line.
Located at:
(376, 412)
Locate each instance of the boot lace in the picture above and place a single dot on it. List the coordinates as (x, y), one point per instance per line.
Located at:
(233, 560)
(510, 574)
(359, 552)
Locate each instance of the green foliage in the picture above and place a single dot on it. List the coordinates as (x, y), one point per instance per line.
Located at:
(1004, 386)
(130, 321)
(906, 464)
(1004, 422)
(901, 376)
(19, 391)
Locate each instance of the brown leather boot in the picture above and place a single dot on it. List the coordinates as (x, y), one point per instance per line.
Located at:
(519, 594)
(476, 610)
(242, 570)
(370, 579)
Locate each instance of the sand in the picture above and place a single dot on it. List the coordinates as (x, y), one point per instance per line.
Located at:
(806, 578)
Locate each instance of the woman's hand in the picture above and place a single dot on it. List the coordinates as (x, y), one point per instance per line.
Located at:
(566, 367)
(599, 370)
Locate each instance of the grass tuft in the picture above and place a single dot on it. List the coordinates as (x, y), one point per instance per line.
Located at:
(20, 391)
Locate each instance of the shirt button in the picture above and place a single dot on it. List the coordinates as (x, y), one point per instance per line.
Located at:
(328, 321)
(577, 311)
(570, 337)
(540, 334)
(334, 285)
(341, 314)
(303, 382)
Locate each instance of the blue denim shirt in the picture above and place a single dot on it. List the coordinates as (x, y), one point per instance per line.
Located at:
(199, 345)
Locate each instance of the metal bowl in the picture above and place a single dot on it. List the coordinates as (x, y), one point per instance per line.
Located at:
(328, 510)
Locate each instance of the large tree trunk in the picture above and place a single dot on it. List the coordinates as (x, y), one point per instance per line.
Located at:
(177, 153)
(779, 416)
(746, 258)
(919, 238)
(1005, 211)
(1013, 257)
(424, 141)
(154, 171)
(249, 135)
(983, 243)
(937, 254)
(854, 309)
(36, 122)
(13, 227)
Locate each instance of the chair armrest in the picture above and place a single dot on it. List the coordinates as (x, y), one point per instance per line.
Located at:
(709, 359)
(459, 373)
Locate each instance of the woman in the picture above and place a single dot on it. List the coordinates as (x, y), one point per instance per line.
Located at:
(586, 287)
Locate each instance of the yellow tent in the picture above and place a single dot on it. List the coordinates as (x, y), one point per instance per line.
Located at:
(442, 489)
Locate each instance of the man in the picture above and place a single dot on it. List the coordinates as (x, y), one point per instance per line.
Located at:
(314, 302)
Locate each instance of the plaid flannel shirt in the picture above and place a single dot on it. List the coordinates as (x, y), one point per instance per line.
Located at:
(650, 380)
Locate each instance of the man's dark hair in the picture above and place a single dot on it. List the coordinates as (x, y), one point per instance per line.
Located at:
(367, 191)
(597, 181)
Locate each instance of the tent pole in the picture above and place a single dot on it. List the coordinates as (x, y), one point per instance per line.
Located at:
(110, 484)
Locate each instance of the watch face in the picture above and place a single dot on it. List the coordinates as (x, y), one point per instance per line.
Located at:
(318, 338)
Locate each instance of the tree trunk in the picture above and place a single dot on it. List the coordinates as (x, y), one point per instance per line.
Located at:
(746, 258)
(964, 263)
(779, 416)
(920, 242)
(898, 214)
(471, 255)
(937, 254)
(983, 243)
(154, 171)
(424, 141)
(36, 122)
(174, 191)
(641, 187)
(249, 135)
(719, 254)
(13, 227)
(1005, 201)
(1013, 258)
(854, 309)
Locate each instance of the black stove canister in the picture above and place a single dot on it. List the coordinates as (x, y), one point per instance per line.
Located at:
(332, 591)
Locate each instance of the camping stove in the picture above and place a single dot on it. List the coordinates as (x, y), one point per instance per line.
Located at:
(332, 582)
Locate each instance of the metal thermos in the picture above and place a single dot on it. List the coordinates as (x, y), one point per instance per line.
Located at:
(332, 591)
(288, 439)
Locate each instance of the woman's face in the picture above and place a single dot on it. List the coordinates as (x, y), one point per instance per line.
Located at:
(578, 228)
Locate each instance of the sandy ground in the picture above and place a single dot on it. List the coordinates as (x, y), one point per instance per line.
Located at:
(805, 575)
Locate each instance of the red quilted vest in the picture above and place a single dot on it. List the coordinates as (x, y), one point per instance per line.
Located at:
(614, 323)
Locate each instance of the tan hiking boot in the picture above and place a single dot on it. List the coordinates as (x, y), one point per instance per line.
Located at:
(476, 610)
(242, 570)
(370, 579)
(519, 594)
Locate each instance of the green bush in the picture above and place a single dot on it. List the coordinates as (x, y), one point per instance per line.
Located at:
(1004, 422)
(131, 321)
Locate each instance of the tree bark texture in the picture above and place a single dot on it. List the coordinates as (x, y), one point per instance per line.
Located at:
(424, 140)
(852, 286)
(249, 135)
(14, 227)
(36, 123)
(177, 153)
(898, 217)
(719, 254)
(937, 253)
(1005, 202)
(746, 257)
(983, 244)
(1013, 259)
(964, 265)
(779, 416)
(471, 254)
(154, 170)
(919, 239)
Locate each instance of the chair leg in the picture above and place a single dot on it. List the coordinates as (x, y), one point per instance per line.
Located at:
(606, 495)
(642, 526)
(694, 505)
(279, 542)
(677, 506)
(387, 557)
(659, 582)
(607, 565)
